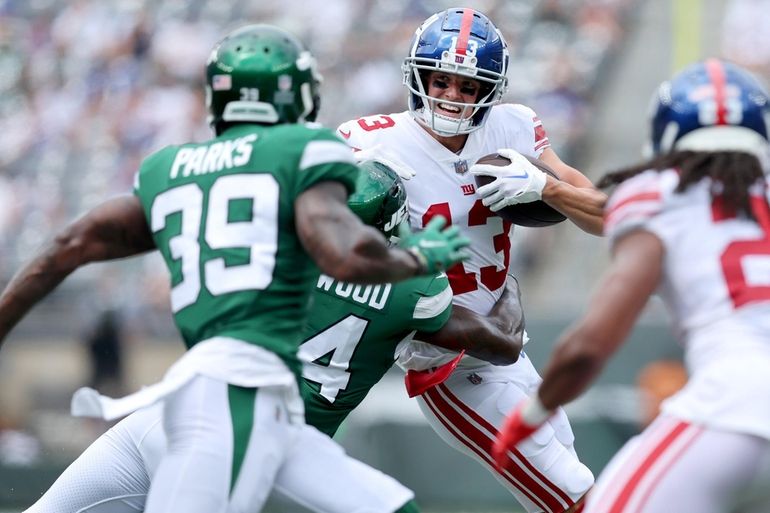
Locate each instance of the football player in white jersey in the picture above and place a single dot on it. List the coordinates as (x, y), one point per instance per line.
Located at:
(455, 75)
(692, 224)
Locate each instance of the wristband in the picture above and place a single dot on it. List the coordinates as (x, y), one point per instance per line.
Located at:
(422, 262)
(534, 413)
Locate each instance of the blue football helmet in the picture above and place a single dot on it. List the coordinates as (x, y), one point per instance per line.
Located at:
(711, 106)
(464, 42)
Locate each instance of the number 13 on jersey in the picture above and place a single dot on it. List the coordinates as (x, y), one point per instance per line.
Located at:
(490, 276)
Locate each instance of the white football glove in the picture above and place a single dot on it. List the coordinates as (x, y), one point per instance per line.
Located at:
(518, 182)
(383, 156)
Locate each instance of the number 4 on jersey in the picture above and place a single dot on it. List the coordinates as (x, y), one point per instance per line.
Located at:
(327, 355)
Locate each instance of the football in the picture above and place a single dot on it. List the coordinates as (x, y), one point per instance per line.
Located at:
(534, 214)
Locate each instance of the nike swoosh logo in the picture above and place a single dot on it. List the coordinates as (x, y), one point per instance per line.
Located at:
(344, 134)
(525, 175)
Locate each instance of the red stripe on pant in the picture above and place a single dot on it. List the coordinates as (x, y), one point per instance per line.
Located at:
(473, 446)
(492, 429)
(663, 471)
(636, 477)
(480, 443)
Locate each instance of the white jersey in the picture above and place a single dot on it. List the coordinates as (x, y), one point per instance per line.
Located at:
(716, 284)
(444, 186)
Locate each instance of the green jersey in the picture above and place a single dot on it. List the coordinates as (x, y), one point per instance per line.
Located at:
(351, 338)
(222, 215)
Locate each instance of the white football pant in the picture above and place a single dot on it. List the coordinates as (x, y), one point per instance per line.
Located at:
(677, 466)
(299, 464)
(544, 473)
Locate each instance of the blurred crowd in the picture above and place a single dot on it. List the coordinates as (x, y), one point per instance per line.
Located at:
(88, 88)
(746, 35)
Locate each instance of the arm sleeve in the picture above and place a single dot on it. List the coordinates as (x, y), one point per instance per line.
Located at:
(637, 204)
(349, 132)
(540, 136)
(433, 305)
(147, 179)
(529, 135)
(325, 157)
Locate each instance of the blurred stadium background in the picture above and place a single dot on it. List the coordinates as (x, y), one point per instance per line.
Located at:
(88, 87)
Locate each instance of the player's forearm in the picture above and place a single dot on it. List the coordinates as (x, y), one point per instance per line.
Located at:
(574, 366)
(584, 206)
(617, 302)
(32, 283)
(497, 346)
(504, 330)
(480, 336)
(371, 260)
(507, 313)
(115, 229)
(341, 245)
(347, 250)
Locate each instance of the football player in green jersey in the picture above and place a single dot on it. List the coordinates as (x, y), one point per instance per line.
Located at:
(353, 331)
(244, 222)
(111, 476)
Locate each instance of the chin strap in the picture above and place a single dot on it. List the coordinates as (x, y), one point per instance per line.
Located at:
(445, 126)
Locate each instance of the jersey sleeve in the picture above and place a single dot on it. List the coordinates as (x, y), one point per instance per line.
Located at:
(148, 178)
(540, 138)
(348, 131)
(433, 305)
(356, 137)
(634, 205)
(371, 131)
(530, 135)
(325, 157)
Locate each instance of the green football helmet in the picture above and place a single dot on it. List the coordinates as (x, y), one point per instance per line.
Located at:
(380, 199)
(261, 74)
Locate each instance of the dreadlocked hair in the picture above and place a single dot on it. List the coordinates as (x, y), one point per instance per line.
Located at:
(735, 171)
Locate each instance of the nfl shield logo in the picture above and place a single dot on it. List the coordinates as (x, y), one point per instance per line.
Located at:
(474, 378)
(284, 82)
(221, 82)
(461, 167)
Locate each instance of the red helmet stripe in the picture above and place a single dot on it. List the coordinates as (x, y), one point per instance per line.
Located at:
(717, 75)
(465, 31)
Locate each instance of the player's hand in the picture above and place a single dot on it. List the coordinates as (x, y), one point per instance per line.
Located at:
(521, 423)
(383, 156)
(434, 248)
(518, 182)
